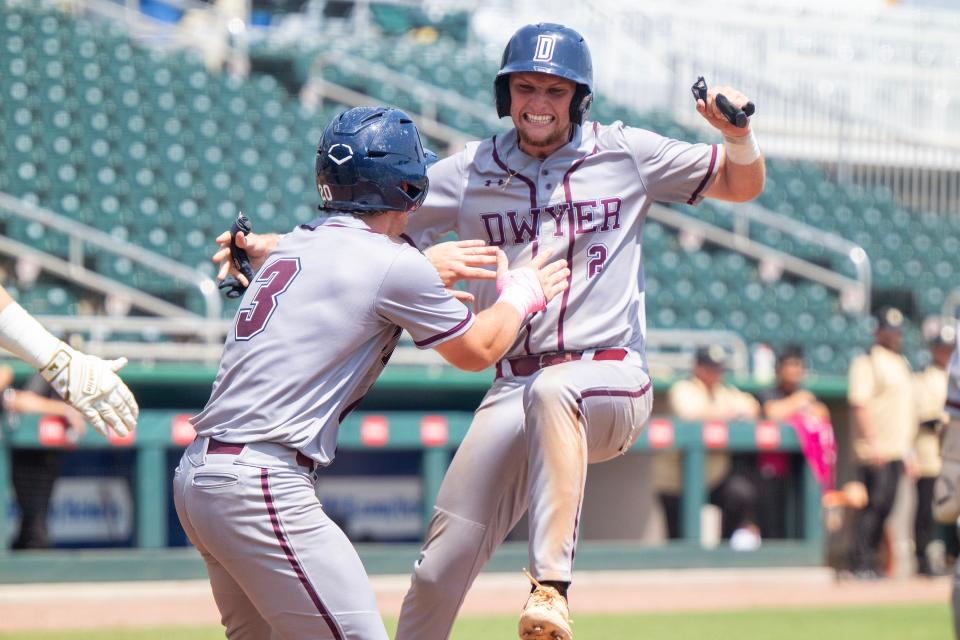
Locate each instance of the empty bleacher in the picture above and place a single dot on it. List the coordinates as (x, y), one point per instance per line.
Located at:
(153, 148)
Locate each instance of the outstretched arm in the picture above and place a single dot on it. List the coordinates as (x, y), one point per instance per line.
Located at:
(30, 402)
(88, 383)
(741, 173)
(522, 292)
(454, 261)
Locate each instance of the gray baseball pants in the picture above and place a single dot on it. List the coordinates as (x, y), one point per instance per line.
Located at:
(278, 566)
(528, 448)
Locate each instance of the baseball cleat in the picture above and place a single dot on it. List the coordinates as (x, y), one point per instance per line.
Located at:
(546, 615)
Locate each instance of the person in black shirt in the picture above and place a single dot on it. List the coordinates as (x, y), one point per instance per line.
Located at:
(782, 403)
(34, 471)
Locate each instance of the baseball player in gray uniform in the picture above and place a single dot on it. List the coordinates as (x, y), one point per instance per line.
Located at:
(574, 388)
(315, 328)
(946, 491)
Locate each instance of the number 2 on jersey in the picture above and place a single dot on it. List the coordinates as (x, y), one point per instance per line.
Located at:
(598, 257)
(271, 282)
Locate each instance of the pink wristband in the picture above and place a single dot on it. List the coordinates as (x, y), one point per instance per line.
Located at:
(521, 289)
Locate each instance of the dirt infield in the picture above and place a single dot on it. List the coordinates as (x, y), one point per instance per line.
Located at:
(133, 604)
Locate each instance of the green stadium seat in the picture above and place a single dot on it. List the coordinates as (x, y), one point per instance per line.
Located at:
(107, 132)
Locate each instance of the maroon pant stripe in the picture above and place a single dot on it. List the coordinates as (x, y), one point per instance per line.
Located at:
(294, 563)
(593, 393)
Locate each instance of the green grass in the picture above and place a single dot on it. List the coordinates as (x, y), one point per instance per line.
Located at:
(907, 622)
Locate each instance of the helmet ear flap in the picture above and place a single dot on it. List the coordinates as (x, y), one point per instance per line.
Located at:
(501, 89)
(580, 104)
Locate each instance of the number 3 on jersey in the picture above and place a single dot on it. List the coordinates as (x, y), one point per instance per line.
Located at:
(271, 282)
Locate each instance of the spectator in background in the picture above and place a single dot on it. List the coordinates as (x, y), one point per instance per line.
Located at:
(885, 422)
(704, 396)
(34, 471)
(786, 402)
(931, 394)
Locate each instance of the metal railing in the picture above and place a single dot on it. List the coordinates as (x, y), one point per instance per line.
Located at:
(854, 294)
(320, 89)
(951, 303)
(73, 269)
(868, 92)
(814, 124)
(672, 350)
(746, 212)
(429, 95)
(435, 436)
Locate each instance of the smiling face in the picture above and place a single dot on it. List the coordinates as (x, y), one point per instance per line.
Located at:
(540, 109)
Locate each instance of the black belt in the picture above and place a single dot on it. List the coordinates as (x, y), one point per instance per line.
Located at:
(216, 446)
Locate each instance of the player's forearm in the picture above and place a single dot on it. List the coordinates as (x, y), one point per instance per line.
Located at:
(785, 407)
(5, 298)
(24, 337)
(492, 333)
(778, 409)
(30, 402)
(739, 182)
(864, 423)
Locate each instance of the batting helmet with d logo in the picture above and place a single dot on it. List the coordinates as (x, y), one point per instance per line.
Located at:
(553, 49)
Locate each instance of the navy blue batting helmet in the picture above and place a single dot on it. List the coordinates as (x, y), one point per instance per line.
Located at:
(371, 160)
(553, 49)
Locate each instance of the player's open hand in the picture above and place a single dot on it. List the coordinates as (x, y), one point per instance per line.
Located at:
(93, 387)
(712, 114)
(534, 285)
(257, 245)
(553, 276)
(462, 260)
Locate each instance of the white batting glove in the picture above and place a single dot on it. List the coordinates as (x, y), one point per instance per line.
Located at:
(90, 384)
(93, 387)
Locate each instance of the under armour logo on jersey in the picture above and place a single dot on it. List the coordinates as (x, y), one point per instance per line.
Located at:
(340, 153)
(545, 46)
(487, 183)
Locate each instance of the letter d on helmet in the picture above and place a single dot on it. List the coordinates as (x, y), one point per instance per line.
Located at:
(371, 160)
(553, 49)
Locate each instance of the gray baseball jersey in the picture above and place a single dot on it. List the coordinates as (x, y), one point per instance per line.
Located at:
(953, 382)
(586, 202)
(535, 433)
(316, 328)
(946, 490)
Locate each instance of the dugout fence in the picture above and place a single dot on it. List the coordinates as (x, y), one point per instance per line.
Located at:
(434, 436)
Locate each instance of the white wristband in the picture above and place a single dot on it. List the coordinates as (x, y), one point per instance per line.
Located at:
(742, 150)
(23, 336)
